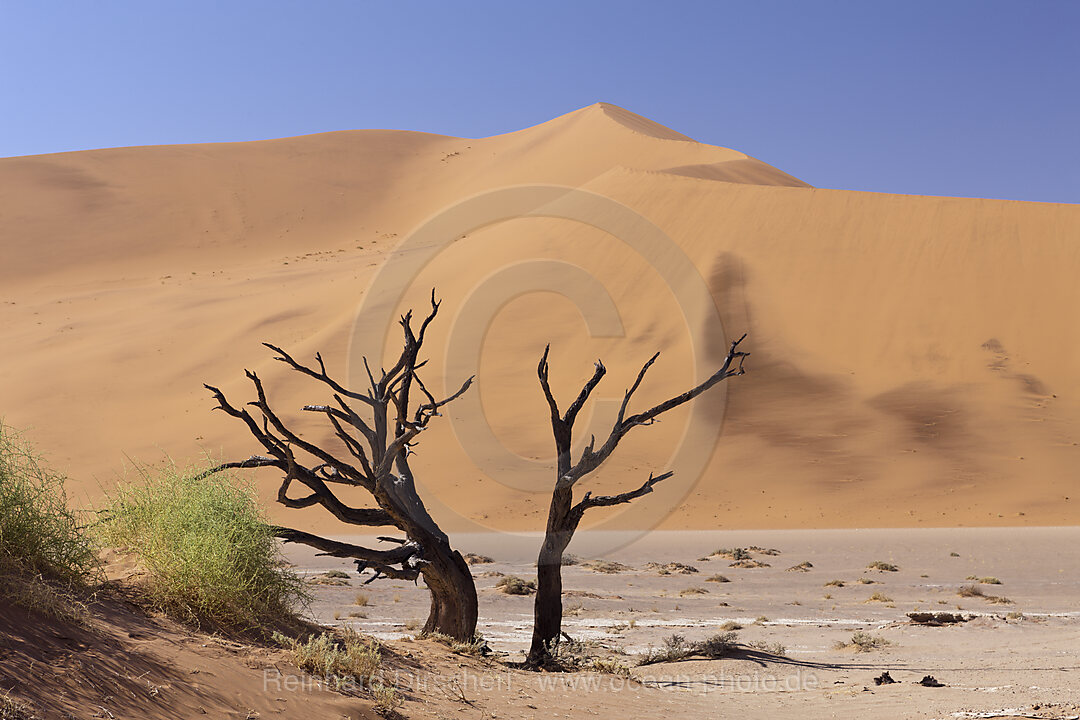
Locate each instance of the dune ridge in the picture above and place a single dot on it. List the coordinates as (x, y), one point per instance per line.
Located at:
(913, 362)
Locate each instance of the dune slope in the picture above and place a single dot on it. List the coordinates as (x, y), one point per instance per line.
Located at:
(915, 359)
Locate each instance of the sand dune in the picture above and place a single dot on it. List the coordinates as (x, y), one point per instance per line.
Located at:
(915, 359)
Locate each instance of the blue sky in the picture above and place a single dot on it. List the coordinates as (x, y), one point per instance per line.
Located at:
(941, 98)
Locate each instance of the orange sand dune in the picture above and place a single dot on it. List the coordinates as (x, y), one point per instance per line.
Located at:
(915, 359)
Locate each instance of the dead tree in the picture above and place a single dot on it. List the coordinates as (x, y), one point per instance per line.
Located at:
(563, 514)
(379, 463)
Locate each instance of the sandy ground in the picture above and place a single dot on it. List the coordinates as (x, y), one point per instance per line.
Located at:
(1025, 654)
(1015, 660)
(913, 350)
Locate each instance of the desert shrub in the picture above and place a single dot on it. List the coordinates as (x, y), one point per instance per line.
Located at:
(731, 625)
(677, 648)
(362, 599)
(338, 661)
(476, 559)
(879, 597)
(209, 553)
(477, 647)
(835, 583)
(984, 580)
(513, 585)
(863, 642)
(883, 566)
(732, 553)
(40, 536)
(693, 591)
(970, 591)
(387, 699)
(608, 567)
(717, 579)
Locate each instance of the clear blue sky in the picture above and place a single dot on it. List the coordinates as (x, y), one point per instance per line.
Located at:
(943, 97)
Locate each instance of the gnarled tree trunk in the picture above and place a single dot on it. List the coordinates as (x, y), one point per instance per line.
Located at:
(380, 448)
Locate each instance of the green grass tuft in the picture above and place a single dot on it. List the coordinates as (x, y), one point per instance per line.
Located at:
(208, 550)
(40, 536)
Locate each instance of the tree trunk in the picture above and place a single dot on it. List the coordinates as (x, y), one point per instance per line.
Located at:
(453, 594)
(547, 608)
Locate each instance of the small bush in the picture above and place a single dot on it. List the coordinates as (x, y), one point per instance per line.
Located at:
(731, 625)
(339, 662)
(362, 599)
(835, 583)
(717, 579)
(984, 580)
(883, 566)
(608, 567)
(769, 648)
(879, 597)
(676, 648)
(477, 647)
(801, 567)
(513, 585)
(693, 591)
(748, 564)
(970, 591)
(39, 534)
(863, 642)
(207, 547)
(387, 699)
(475, 559)
(733, 553)
(867, 581)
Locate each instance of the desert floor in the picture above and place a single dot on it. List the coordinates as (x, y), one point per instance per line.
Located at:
(1017, 659)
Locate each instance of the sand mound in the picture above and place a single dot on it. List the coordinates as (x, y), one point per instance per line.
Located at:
(914, 350)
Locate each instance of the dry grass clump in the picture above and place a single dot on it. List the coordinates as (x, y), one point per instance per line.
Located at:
(339, 661)
(731, 625)
(777, 649)
(863, 642)
(608, 567)
(477, 647)
(801, 567)
(866, 581)
(835, 583)
(984, 580)
(763, 551)
(513, 585)
(345, 663)
(718, 578)
(362, 599)
(671, 568)
(882, 566)
(677, 648)
(749, 564)
(336, 578)
(209, 552)
(969, 591)
(732, 553)
(475, 559)
(693, 591)
(13, 709)
(879, 597)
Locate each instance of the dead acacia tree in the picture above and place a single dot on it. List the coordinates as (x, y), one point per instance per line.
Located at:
(564, 515)
(380, 449)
